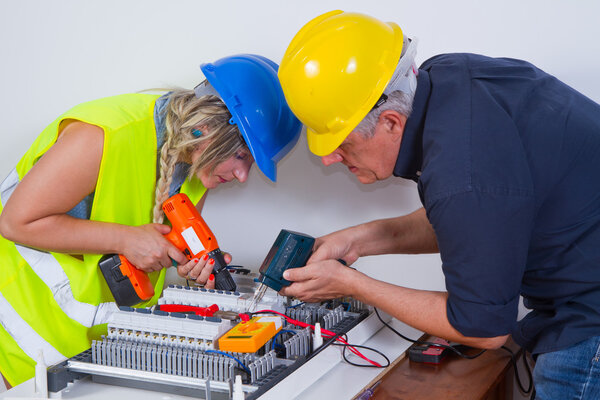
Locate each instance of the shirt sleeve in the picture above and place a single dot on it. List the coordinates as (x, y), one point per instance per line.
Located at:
(483, 237)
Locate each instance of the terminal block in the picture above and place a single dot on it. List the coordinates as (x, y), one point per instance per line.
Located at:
(227, 301)
(161, 327)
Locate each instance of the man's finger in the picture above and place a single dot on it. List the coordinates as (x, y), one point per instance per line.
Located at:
(318, 255)
(290, 290)
(297, 274)
(301, 291)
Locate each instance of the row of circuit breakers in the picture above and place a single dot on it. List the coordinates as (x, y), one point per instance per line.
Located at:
(193, 343)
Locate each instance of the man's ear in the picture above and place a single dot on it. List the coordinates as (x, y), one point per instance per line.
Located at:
(393, 122)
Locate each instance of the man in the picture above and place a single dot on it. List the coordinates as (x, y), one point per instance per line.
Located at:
(506, 158)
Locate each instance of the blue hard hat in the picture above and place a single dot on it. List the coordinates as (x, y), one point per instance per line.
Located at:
(249, 87)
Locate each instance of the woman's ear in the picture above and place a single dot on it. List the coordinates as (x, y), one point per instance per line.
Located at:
(199, 130)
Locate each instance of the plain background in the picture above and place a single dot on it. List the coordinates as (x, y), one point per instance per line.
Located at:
(54, 55)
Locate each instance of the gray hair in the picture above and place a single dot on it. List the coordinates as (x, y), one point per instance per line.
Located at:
(397, 101)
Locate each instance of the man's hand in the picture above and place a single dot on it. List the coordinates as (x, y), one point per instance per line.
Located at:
(336, 245)
(321, 280)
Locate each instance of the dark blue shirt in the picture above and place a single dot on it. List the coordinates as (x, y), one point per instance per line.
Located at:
(507, 160)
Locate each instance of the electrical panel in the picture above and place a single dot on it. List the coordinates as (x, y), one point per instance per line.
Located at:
(180, 352)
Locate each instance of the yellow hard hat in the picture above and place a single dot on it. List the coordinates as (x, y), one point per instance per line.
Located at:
(335, 70)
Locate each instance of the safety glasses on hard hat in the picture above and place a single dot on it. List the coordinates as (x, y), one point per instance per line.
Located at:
(404, 77)
(205, 89)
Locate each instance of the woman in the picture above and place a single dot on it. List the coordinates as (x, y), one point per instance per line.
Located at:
(93, 183)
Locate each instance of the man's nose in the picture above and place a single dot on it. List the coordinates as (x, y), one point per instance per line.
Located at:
(332, 158)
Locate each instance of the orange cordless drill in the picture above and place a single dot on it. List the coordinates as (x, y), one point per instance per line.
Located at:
(189, 233)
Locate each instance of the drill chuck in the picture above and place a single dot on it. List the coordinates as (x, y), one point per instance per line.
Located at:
(223, 279)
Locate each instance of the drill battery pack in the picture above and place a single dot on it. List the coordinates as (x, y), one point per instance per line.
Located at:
(128, 285)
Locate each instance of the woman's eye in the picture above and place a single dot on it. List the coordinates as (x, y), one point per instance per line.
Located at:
(241, 156)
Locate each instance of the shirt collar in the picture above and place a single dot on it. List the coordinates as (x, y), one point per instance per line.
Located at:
(410, 156)
(160, 113)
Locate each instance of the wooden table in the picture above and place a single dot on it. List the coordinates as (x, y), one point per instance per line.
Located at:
(482, 378)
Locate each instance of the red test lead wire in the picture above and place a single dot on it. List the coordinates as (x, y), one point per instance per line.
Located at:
(324, 332)
(180, 308)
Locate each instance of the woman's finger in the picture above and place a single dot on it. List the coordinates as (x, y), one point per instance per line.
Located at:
(206, 271)
(183, 270)
(210, 283)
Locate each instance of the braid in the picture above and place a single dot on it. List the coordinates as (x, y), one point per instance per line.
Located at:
(167, 167)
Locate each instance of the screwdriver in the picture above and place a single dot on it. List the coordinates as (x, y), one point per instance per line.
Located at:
(368, 393)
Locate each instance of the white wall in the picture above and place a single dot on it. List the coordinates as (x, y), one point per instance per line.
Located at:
(55, 54)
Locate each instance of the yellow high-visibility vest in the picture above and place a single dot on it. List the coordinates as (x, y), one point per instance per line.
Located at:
(55, 302)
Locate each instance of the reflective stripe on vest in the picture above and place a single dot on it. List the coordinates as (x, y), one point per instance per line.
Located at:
(51, 272)
(28, 339)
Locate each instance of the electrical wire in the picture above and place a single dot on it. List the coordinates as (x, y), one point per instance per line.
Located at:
(279, 333)
(513, 360)
(530, 388)
(347, 346)
(443, 346)
(230, 356)
(296, 305)
(352, 349)
(324, 332)
(366, 348)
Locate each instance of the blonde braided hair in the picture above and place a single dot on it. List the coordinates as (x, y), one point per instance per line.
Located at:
(184, 114)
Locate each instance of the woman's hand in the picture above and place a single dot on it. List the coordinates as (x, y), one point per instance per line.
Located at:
(147, 249)
(200, 270)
